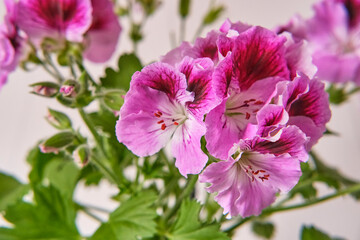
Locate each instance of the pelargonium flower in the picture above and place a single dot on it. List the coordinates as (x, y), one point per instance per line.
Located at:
(11, 42)
(167, 104)
(245, 79)
(56, 19)
(203, 47)
(307, 104)
(102, 37)
(332, 34)
(257, 168)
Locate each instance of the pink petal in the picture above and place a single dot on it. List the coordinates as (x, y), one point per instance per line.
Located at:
(186, 147)
(103, 34)
(258, 53)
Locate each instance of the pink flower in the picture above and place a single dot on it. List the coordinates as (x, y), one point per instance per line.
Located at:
(307, 104)
(102, 37)
(11, 43)
(256, 170)
(332, 34)
(56, 19)
(167, 105)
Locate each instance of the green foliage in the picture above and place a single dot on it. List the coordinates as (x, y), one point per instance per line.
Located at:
(128, 64)
(132, 220)
(263, 229)
(311, 233)
(213, 14)
(184, 7)
(188, 226)
(11, 190)
(305, 185)
(52, 217)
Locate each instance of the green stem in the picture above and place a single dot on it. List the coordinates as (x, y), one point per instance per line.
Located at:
(272, 210)
(98, 141)
(83, 69)
(52, 64)
(186, 192)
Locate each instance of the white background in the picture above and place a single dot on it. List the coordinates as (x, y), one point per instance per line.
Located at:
(22, 115)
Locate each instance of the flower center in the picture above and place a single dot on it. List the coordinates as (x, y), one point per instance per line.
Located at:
(252, 171)
(166, 120)
(246, 108)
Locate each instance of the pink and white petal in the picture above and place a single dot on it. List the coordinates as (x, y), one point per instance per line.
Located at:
(162, 77)
(313, 104)
(206, 47)
(186, 147)
(328, 26)
(140, 133)
(103, 34)
(292, 141)
(238, 26)
(258, 53)
(298, 57)
(222, 76)
(55, 19)
(223, 131)
(254, 197)
(176, 55)
(308, 126)
(80, 22)
(198, 73)
(336, 68)
(283, 172)
(271, 119)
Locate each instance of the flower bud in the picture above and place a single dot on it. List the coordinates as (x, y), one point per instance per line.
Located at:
(57, 142)
(45, 89)
(70, 89)
(81, 155)
(58, 120)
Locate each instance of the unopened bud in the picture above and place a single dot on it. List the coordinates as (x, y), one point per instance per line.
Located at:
(81, 155)
(45, 89)
(57, 142)
(58, 120)
(70, 89)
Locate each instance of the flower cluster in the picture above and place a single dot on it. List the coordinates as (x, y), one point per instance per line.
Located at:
(333, 37)
(250, 92)
(92, 23)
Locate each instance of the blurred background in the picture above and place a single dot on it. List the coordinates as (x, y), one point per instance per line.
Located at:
(22, 122)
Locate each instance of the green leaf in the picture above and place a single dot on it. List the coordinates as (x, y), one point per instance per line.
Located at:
(62, 175)
(114, 99)
(213, 14)
(263, 229)
(184, 7)
(11, 190)
(337, 95)
(128, 64)
(134, 219)
(51, 218)
(188, 226)
(311, 233)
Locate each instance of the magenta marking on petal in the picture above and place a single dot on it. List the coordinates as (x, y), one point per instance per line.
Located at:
(258, 53)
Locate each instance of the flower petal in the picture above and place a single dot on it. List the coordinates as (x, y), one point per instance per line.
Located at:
(258, 53)
(186, 147)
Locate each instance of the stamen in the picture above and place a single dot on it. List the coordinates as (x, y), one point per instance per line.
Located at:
(161, 121)
(163, 126)
(176, 123)
(247, 116)
(258, 102)
(158, 114)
